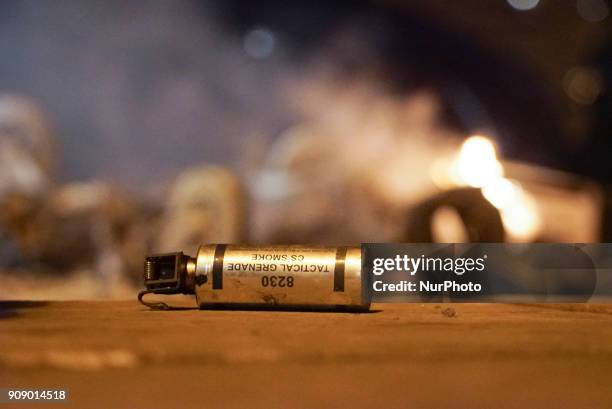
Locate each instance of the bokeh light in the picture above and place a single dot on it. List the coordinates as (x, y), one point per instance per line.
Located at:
(582, 84)
(523, 5)
(593, 11)
(259, 43)
(478, 165)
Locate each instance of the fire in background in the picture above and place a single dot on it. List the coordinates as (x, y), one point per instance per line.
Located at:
(292, 122)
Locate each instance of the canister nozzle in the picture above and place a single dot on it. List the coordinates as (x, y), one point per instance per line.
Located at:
(166, 274)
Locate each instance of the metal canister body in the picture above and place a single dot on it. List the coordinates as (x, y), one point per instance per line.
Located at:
(280, 276)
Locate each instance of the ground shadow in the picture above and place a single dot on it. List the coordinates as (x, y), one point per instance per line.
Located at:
(10, 309)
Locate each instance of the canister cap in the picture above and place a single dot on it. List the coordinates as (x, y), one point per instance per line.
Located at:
(165, 274)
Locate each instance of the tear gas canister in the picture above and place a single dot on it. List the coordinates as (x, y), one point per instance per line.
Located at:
(265, 277)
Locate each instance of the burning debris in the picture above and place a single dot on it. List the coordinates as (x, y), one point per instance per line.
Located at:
(374, 168)
(357, 161)
(350, 173)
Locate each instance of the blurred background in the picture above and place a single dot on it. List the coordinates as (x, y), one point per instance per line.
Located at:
(135, 127)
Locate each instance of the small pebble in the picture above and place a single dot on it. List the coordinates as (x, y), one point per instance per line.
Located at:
(449, 312)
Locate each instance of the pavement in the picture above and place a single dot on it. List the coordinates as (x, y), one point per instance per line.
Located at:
(119, 354)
